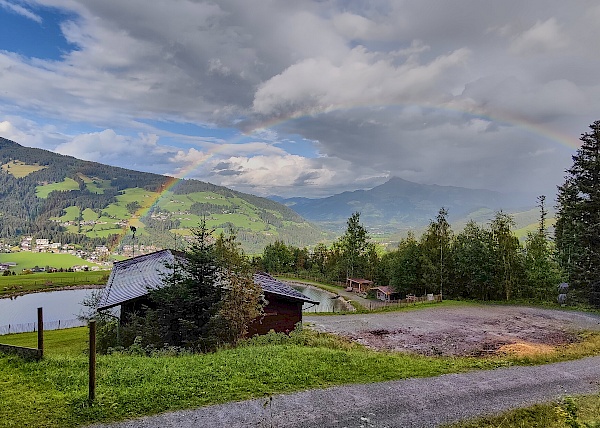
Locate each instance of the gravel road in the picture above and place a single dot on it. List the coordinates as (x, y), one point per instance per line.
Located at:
(427, 402)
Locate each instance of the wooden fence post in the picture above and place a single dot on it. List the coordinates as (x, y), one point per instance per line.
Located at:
(40, 316)
(92, 371)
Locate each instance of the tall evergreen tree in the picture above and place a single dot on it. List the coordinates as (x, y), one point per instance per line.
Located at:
(192, 294)
(355, 246)
(435, 252)
(578, 217)
(509, 261)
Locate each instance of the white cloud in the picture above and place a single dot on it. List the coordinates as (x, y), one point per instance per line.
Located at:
(542, 37)
(363, 78)
(20, 10)
(380, 88)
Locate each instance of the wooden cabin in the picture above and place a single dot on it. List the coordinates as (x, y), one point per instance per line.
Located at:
(386, 293)
(130, 281)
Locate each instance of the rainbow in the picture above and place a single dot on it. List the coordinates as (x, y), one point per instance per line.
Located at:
(501, 118)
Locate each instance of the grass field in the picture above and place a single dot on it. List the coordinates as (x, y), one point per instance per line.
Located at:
(53, 392)
(19, 169)
(65, 185)
(27, 260)
(17, 284)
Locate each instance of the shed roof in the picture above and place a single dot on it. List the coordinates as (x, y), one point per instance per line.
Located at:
(386, 289)
(274, 286)
(133, 278)
(360, 280)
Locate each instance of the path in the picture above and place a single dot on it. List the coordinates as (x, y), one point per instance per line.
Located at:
(426, 402)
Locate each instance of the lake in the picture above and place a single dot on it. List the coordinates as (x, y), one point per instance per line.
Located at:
(326, 303)
(63, 305)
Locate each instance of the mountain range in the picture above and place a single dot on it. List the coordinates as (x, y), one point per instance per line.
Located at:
(399, 204)
(64, 199)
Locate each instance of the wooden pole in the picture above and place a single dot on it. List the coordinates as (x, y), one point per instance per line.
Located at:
(92, 372)
(40, 346)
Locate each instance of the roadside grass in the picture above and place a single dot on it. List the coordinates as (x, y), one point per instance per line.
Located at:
(53, 392)
(547, 415)
(22, 284)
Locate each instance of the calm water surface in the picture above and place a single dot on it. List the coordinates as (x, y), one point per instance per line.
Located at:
(58, 305)
(326, 303)
(67, 304)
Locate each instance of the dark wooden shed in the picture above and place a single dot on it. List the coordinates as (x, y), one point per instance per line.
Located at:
(130, 281)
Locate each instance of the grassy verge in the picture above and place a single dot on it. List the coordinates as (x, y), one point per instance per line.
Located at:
(23, 284)
(53, 392)
(548, 415)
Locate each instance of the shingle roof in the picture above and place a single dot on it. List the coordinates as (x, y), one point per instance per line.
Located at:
(133, 278)
(274, 286)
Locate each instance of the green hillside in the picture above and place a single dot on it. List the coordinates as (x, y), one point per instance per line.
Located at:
(67, 200)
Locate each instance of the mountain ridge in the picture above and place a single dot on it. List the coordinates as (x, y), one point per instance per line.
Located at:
(63, 198)
(398, 203)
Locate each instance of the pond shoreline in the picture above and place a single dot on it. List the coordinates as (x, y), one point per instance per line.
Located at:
(347, 305)
(49, 290)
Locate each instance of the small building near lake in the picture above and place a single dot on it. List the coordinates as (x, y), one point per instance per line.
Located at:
(358, 285)
(386, 293)
(130, 281)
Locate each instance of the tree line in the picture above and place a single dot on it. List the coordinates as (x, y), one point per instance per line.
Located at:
(480, 262)
(486, 262)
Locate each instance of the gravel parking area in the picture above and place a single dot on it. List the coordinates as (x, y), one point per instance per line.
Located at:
(464, 330)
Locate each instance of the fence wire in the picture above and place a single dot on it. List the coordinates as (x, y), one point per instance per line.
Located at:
(29, 327)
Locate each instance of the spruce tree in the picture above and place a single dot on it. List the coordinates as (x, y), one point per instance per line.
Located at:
(578, 218)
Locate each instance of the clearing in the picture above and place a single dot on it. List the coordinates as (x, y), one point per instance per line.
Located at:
(470, 330)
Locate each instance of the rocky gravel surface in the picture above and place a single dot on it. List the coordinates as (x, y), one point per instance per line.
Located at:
(461, 330)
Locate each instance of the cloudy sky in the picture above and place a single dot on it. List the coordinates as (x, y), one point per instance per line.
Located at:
(306, 98)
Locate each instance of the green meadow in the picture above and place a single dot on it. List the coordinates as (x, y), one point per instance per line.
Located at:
(64, 186)
(19, 169)
(19, 284)
(28, 260)
(53, 392)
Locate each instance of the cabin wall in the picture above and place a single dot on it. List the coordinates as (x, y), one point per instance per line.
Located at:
(279, 315)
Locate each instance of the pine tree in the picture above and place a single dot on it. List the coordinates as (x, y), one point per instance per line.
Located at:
(192, 294)
(578, 218)
(355, 246)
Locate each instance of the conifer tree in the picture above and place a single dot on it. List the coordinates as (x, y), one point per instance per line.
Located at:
(578, 219)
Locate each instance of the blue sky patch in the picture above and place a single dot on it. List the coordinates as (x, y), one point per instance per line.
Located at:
(25, 36)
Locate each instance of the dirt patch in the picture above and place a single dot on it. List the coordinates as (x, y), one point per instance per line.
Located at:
(462, 331)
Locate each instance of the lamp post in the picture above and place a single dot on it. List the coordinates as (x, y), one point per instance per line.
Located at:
(133, 229)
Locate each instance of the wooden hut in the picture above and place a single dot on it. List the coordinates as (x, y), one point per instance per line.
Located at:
(130, 281)
(358, 285)
(386, 293)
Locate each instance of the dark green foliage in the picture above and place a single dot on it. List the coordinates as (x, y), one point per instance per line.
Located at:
(402, 267)
(355, 247)
(191, 295)
(578, 218)
(436, 257)
(474, 263)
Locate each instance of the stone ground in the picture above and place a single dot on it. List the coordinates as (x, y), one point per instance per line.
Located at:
(463, 330)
